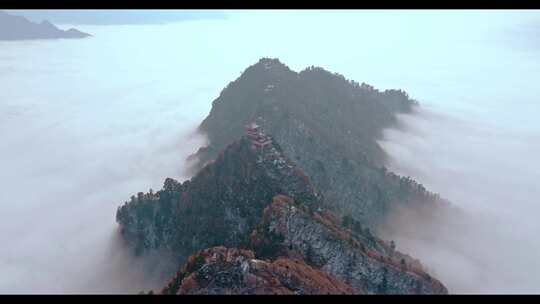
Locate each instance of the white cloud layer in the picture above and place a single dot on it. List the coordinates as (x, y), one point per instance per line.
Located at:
(84, 124)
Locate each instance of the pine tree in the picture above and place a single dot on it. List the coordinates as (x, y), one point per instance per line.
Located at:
(383, 287)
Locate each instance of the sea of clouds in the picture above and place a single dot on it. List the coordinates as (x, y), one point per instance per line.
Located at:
(85, 124)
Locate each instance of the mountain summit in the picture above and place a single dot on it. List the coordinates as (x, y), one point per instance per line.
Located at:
(290, 186)
(220, 205)
(250, 221)
(328, 126)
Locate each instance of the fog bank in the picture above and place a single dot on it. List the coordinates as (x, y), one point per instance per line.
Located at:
(84, 128)
(87, 123)
(491, 174)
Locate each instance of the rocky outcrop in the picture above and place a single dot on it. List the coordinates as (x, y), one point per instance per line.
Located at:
(356, 257)
(253, 197)
(221, 205)
(20, 28)
(221, 270)
(328, 126)
(297, 250)
(283, 230)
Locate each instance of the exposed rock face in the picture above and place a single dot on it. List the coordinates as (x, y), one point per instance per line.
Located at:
(221, 270)
(282, 231)
(297, 250)
(221, 205)
(356, 257)
(328, 126)
(255, 198)
(19, 28)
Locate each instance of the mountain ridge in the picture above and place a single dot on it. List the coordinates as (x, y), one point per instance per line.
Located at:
(231, 191)
(13, 28)
(283, 179)
(328, 125)
(243, 201)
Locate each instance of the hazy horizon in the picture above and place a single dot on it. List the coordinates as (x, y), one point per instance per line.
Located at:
(116, 17)
(88, 123)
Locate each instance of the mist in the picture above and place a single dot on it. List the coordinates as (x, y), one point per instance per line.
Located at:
(117, 17)
(87, 123)
(83, 129)
(491, 175)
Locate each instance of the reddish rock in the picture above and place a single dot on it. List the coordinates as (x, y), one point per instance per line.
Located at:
(223, 270)
(363, 261)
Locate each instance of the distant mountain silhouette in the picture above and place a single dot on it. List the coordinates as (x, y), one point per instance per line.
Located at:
(19, 28)
(115, 17)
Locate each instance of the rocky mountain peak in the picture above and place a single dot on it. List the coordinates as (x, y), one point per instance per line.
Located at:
(354, 256)
(296, 250)
(221, 270)
(219, 206)
(252, 199)
(271, 64)
(327, 125)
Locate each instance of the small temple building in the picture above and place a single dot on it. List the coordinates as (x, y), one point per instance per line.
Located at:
(259, 140)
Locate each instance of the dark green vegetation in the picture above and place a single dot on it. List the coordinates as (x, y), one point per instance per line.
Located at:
(314, 191)
(219, 206)
(328, 126)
